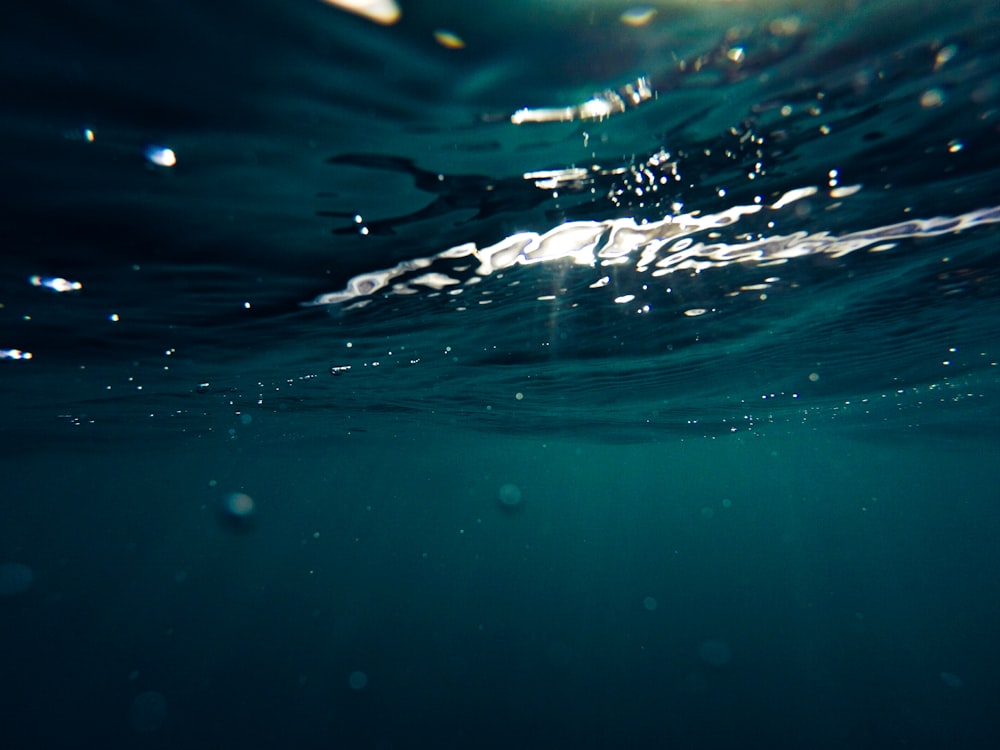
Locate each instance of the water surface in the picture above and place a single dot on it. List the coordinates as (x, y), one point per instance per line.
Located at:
(535, 374)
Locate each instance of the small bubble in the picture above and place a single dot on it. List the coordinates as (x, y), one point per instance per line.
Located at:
(357, 680)
(649, 603)
(239, 505)
(509, 495)
(55, 283)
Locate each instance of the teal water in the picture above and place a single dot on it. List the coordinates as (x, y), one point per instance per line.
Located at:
(611, 380)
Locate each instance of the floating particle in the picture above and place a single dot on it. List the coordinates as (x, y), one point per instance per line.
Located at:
(55, 283)
(448, 39)
(932, 98)
(944, 55)
(161, 156)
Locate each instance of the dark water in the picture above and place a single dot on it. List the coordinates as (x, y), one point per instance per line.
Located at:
(580, 376)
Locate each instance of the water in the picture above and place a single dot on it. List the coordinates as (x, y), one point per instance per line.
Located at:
(527, 374)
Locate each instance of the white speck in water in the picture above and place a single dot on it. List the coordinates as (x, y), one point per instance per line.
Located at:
(161, 156)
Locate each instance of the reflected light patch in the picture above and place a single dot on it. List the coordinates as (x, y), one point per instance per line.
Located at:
(794, 195)
(932, 98)
(448, 39)
(385, 12)
(598, 107)
(55, 283)
(638, 16)
(161, 156)
(14, 354)
(686, 243)
(844, 191)
(595, 109)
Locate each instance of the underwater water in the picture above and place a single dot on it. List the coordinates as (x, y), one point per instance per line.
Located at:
(533, 374)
